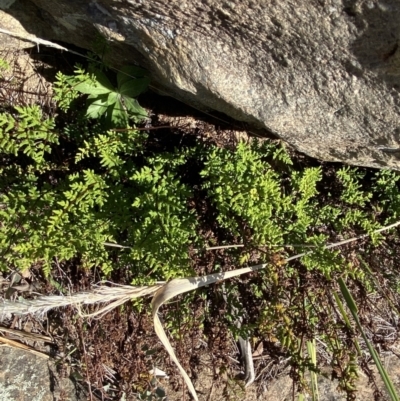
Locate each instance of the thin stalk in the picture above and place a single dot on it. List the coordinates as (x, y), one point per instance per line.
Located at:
(382, 371)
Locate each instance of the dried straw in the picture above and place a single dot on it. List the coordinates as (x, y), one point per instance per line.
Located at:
(112, 296)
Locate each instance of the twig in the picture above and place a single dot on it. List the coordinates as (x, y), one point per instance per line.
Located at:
(346, 241)
(34, 39)
(214, 248)
(113, 245)
(24, 347)
(142, 129)
(26, 335)
(264, 369)
(86, 360)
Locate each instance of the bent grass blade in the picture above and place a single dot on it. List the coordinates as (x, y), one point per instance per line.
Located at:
(354, 311)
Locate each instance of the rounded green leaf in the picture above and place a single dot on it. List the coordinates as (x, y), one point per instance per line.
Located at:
(97, 107)
(134, 108)
(118, 114)
(130, 72)
(134, 87)
(100, 86)
(113, 97)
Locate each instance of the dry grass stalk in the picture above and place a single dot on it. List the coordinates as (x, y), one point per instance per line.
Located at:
(16, 344)
(180, 286)
(112, 296)
(26, 335)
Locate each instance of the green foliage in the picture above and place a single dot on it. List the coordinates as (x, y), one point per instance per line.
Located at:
(117, 105)
(107, 191)
(352, 193)
(163, 221)
(388, 194)
(72, 184)
(246, 193)
(260, 207)
(266, 208)
(27, 133)
(103, 192)
(147, 204)
(4, 66)
(41, 224)
(356, 210)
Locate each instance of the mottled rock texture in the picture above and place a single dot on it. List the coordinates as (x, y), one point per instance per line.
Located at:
(323, 75)
(27, 377)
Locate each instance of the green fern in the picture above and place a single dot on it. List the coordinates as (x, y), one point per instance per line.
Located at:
(29, 133)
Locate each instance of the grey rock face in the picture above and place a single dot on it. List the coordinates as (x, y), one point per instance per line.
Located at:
(322, 75)
(26, 377)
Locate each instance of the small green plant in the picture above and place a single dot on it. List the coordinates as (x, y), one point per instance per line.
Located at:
(355, 212)
(4, 66)
(386, 188)
(28, 133)
(117, 105)
(246, 193)
(102, 192)
(259, 208)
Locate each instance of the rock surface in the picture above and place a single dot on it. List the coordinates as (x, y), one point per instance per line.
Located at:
(322, 75)
(26, 377)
